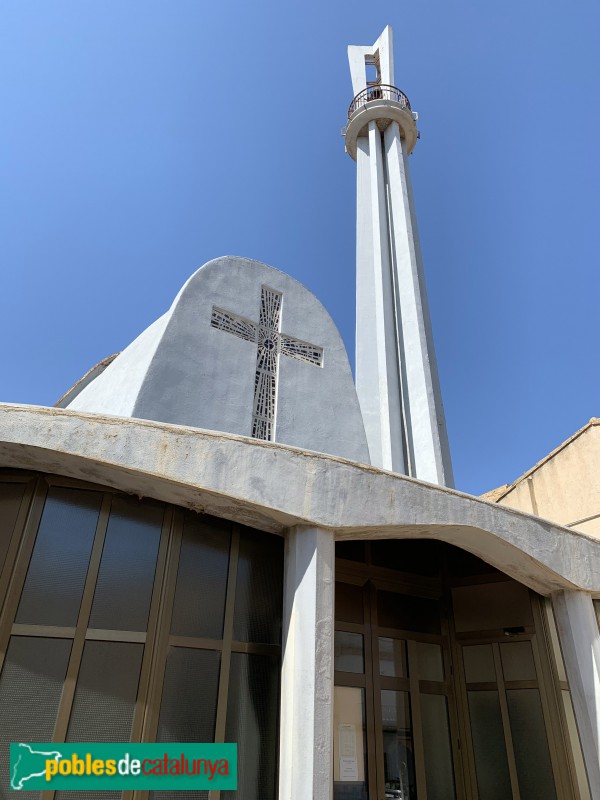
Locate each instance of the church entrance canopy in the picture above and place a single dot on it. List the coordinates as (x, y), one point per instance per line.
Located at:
(421, 671)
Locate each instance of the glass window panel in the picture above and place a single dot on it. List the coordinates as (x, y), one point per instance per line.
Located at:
(189, 700)
(349, 603)
(259, 588)
(479, 663)
(58, 566)
(106, 692)
(201, 577)
(349, 744)
(436, 745)
(351, 551)
(517, 661)
(124, 586)
(408, 613)
(410, 555)
(392, 657)
(11, 495)
(431, 664)
(491, 606)
(534, 768)
(573, 734)
(398, 750)
(252, 722)
(349, 652)
(489, 749)
(30, 688)
(104, 700)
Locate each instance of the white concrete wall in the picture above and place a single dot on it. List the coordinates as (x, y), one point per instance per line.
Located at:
(182, 370)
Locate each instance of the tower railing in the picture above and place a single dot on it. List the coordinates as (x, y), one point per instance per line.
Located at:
(381, 91)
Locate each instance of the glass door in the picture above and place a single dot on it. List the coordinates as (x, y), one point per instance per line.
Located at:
(392, 703)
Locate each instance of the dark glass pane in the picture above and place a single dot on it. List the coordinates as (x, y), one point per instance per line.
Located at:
(517, 661)
(409, 555)
(491, 763)
(349, 744)
(104, 700)
(534, 768)
(436, 745)
(431, 664)
(106, 692)
(252, 723)
(59, 563)
(189, 704)
(349, 655)
(351, 551)
(349, 603)
(408, 613)
(398, 749)
(479, 663)
(259, 588)
(491, 606)
(11, 495)
(124, 586)
(30, 688)
(199, 606)
(392, 657)
(189, 699)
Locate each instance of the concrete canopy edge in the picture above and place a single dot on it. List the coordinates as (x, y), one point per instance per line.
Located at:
(275, 487)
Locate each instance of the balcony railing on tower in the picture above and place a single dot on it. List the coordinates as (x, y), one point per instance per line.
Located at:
(380, 91)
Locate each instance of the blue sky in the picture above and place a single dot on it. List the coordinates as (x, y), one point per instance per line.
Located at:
(141, 139)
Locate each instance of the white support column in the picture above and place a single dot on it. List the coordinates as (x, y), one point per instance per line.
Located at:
(580, 644)
(396, 374)
(423, 409)
(377, 377)
(306, 729)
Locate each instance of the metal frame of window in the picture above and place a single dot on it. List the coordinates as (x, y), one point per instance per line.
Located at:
(157, 639)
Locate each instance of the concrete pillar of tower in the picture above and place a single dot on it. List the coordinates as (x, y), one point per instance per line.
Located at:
(423, 408)
(396, 372)
(306, 727)
(580, 645)
(377, 378)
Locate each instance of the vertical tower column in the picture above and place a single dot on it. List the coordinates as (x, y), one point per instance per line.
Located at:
(377, 376)
(396, 372)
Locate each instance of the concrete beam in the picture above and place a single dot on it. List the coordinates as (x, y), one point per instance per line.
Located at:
(274, 487)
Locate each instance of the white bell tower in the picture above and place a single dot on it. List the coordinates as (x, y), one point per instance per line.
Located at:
(396, 372)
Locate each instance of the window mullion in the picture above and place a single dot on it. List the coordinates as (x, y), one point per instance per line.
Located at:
(415, 710)
(152, 629)
(221, 720)
(68, 692)
(15, 585)
(17, 534)
(512, 765)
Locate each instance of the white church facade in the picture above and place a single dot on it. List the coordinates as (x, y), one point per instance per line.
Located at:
(219, 536)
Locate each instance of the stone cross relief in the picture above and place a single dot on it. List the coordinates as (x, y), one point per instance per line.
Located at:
(270, 344)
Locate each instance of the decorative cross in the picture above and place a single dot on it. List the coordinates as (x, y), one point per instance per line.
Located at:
(271, 343)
